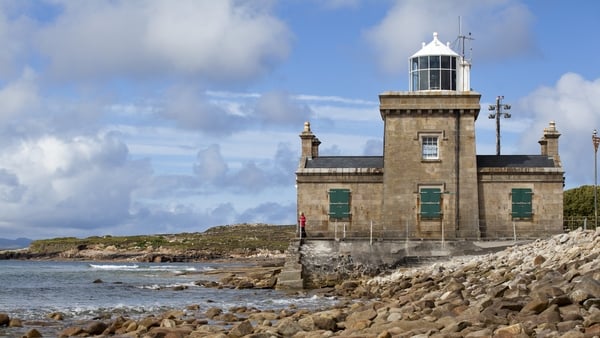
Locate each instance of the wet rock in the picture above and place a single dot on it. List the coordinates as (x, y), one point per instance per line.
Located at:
(213, 312)
(512, 331)
(15, 322)
(173, 314)
(95, 328)
(165, 332)
(33, 333)
(4, 319)
(148, 322)
(71, 331)
(227, 317)
(365, 315)
(589, 303)
(241, 329)
(536, 305)
(56, 316)
(324, 322)
(288, 327)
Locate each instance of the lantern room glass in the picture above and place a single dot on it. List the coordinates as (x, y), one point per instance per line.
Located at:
(433, 72)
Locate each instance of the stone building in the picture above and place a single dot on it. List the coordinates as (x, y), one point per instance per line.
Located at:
(430, 183)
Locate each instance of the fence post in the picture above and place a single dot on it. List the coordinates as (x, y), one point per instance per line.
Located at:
(443, 243)
(371, 234)
(335, 230)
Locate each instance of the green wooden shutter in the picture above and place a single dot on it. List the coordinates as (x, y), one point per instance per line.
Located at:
(521, 203)
(339, 203)
(430, 203)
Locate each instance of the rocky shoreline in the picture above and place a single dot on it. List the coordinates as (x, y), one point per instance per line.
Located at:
(160, 255)
(547, 288)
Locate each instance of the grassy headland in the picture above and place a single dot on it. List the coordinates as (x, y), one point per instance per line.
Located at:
(220, 241)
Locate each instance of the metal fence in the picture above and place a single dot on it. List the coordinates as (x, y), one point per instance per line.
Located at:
(377, 232)
(575, 222)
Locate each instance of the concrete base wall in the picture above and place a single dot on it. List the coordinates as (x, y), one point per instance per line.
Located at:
(326, 262)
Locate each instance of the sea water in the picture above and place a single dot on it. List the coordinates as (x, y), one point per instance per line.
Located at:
(30, 290)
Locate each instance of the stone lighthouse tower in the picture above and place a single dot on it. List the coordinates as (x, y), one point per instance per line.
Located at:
(430, 166)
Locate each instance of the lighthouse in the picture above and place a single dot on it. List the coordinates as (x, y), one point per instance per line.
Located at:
(430, 166)
(430, 184)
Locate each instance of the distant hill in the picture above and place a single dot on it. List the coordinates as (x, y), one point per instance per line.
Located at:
(10, 244)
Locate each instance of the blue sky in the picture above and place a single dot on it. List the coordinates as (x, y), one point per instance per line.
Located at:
(135, 117)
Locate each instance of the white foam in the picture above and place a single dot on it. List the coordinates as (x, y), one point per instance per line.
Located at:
(114, 267)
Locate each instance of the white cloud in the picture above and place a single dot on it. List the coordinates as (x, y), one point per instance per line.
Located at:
(192, 109)
(77, 183)
(13, 51)
(210, 166)
(409, 23)
(19, 97)
(574, 104)
(279, 108)
(218, 40)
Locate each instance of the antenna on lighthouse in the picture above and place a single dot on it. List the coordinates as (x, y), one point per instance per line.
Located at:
(462, 38)
(464, 75)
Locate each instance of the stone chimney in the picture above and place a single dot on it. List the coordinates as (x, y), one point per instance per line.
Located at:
(310, 144)
(549, 141)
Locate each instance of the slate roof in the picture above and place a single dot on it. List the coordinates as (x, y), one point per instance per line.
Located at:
(514, 161)
(483, 161)
(345, 162)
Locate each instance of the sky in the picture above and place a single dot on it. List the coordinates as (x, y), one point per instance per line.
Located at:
(147, 117)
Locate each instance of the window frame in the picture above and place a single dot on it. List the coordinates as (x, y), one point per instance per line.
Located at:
(428, 155)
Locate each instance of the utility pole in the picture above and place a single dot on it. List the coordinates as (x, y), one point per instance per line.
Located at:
(499, 108)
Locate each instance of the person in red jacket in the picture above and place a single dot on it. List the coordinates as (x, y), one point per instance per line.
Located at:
(302, 225)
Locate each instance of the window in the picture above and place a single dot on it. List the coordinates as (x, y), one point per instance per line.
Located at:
(521, 203)
(339, 203)
(434, 79)
(431, 203)
(429, 147)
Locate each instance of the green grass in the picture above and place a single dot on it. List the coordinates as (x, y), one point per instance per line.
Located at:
(239, 238)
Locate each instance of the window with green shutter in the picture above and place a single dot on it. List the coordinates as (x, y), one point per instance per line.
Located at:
(521, 203)
(339, 203)
(431, 203)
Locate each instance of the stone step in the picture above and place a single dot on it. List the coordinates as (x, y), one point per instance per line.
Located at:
(290, 275)
(292, 265)
(294, 284)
